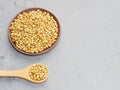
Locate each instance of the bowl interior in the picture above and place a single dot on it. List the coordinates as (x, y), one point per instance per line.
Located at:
(45, 50)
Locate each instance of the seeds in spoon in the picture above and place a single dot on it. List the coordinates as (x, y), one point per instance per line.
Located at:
(38, 72)
(34, 31)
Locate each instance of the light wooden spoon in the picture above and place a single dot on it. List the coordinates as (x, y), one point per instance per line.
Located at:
(24, 73)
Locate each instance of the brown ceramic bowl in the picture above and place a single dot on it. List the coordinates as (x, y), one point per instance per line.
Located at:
(45, 50)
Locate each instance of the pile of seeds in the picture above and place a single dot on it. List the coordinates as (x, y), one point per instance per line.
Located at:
(38, 72)
(34, 31)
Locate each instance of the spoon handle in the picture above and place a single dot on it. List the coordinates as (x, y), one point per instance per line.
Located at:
(10, 73)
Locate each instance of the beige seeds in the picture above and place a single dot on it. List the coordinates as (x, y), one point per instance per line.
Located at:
(34, 31)
(38, 72)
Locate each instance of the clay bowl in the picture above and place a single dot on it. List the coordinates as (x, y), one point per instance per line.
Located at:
(45, 50)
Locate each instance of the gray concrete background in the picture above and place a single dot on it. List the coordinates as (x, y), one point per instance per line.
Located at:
(87, 56)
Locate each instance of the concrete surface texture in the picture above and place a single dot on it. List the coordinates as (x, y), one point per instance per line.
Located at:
(87, 56)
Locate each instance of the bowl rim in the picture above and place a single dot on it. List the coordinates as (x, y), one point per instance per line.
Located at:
(47, 49)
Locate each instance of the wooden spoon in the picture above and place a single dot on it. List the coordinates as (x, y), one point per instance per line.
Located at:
(24, 73)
